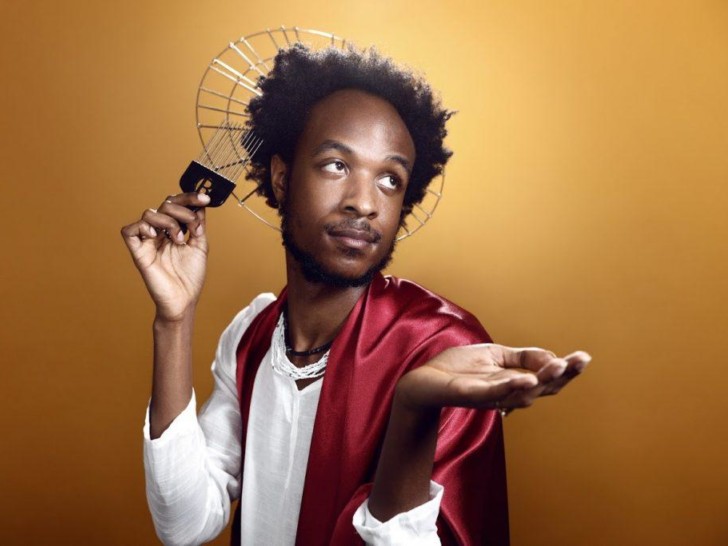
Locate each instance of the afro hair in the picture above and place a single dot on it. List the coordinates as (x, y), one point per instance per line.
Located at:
(301, 77)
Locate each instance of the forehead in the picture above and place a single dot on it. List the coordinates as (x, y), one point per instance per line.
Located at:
(357, 118)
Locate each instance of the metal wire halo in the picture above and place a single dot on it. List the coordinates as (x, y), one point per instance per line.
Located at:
(231, 81)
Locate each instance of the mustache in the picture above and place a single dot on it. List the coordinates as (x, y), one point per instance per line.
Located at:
(355, 224)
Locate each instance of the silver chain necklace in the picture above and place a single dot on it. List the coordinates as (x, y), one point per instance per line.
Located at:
(283, 365)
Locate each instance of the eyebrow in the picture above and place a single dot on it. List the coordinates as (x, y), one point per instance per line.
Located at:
(332, 145)
(402, 161)
(343, 148)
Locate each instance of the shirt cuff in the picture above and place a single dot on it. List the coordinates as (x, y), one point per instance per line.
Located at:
(418, 526)
(185, 422)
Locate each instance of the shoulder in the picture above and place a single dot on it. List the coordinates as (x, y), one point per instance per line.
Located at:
(235, 330)
(246, 315)
(421, 322)
(225, 361)
(412, 298)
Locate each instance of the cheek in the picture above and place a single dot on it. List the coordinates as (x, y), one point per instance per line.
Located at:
(393, 213)
(307, 218)
(312, 197)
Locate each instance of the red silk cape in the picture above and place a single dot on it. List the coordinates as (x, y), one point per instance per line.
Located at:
(394, 327)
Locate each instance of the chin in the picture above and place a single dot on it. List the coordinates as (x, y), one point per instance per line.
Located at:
(335, 272)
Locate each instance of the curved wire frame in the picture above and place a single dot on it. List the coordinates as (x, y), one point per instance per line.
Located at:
(232, 79)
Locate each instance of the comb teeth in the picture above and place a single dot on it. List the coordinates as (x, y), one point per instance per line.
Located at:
(229, 150)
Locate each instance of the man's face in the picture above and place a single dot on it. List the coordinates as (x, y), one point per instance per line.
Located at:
(342, 197)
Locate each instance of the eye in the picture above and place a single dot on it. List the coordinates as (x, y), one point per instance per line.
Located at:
(336, 166)
(390, 181)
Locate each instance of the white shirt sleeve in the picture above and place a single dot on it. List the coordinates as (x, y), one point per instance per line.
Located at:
(193, 469)
(415, 527)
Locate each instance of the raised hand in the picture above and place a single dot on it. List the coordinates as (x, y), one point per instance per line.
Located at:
(173, 268)
(489, 376)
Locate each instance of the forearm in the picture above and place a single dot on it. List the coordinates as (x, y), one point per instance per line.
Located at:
(172, 374)
(193, 469)
(402, 480)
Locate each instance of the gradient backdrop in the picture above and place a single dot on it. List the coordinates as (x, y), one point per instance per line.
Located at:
(585, 208)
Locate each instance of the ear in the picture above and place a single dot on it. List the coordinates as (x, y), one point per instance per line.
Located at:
(279, 177)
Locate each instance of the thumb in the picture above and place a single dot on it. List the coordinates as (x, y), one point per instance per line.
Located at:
(198, 229)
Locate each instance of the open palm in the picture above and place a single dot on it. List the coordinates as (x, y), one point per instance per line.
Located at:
(489, 376)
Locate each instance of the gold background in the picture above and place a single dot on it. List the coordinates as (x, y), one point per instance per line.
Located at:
(585, 207)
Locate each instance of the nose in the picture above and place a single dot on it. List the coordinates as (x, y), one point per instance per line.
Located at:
(360, 197)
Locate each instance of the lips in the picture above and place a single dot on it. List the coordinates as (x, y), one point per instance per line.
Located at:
(354, 237)
(355, 234)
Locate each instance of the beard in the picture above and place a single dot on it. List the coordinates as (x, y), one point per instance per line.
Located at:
(316, 272)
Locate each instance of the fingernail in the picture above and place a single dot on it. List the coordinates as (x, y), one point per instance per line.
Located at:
(153, 231)
(204, 197)
(180, 236)
(199, 230)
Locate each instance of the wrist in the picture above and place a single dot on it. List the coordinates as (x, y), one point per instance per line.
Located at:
(413, 393)
(167, 321)
(411, 415)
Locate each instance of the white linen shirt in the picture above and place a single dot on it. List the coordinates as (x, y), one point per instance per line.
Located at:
(193, 469)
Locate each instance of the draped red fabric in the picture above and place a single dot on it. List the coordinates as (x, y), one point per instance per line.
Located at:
(394, 327)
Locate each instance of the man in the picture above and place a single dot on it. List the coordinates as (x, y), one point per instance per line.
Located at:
(328, 401)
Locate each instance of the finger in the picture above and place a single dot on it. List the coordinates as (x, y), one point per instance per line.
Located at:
(544, 363)
(554, 387)
(189, 199)
(135, 234)
(576, 363)
(185, 216)
(180, 213)
(533, 359)
(183, 207)
(197, 228)
(164, 223)
(551, 370)
(491, 391)
(578, 360)
(516, 398)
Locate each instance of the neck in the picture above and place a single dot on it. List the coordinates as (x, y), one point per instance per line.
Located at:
(316, 311)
